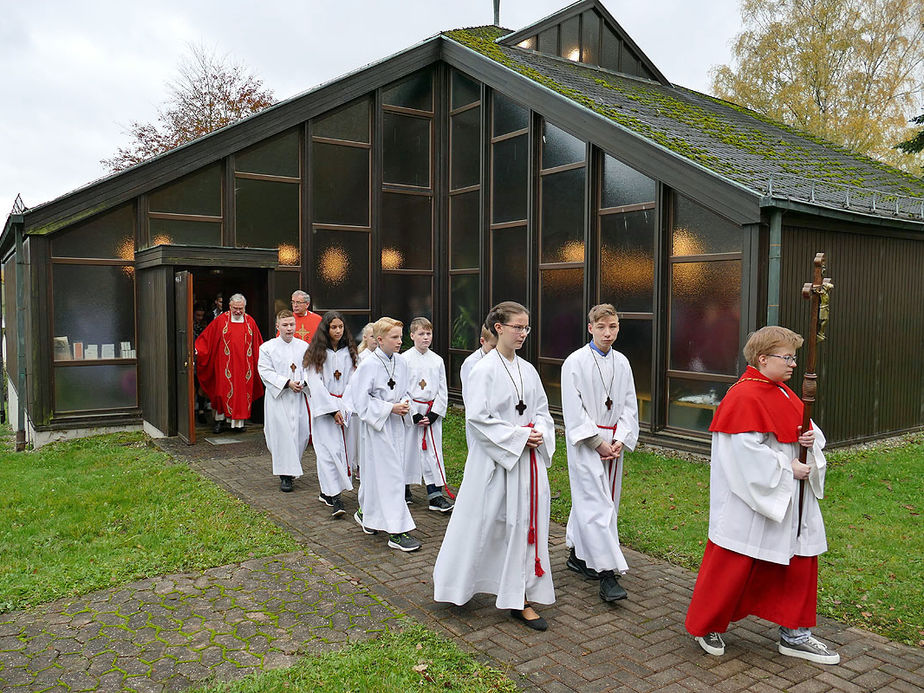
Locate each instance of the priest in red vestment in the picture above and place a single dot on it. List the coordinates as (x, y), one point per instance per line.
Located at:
(226, 363)
(762, 554)
(306, 322)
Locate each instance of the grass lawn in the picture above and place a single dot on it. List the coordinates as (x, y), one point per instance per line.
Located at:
(102, 511)
(396, 662)
(872, 573)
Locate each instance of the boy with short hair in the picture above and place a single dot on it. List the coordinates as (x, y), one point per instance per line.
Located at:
(429, 396)
(488, 342)
(378, 393)
(601, 423)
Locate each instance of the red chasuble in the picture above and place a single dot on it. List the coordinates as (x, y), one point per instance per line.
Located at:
(226, 363)
(305, 326)
(755, 403)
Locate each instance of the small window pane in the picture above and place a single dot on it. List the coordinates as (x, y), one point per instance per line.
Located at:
(590, 37)
(406, 150)
(267, 217)
(182, 232)
(197, 193)
(627, 260)
(340, 184)
(464, 90)
(405, 297)
(560, 148)
(464, 311)
(9, 317)
(548, 41)
(698, 231)
(464, 215)
(528, 43)
(609, 50)
(285, 283)
(563, 217)
(623, 185)
(509, 116)
(110, 235)
(96, 387)
(628, 61)
(276, 156)
(692, 403)
(634, 342)
(571, 39)
(510, 180)
(550, 374)
(705, 312)
(465, 142)
(508, 265)
(406, 231)
(415, 91)
(561, 307)
(341, 269)
(455, 369)
(349, 123)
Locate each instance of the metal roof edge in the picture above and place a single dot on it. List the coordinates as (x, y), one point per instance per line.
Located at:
(826, 211)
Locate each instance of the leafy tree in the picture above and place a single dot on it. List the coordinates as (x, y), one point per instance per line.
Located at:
(846, 70)
(916, 143)
(208, 93)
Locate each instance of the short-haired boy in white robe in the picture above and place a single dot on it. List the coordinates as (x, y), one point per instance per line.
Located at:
(601, 423)
(488, 342)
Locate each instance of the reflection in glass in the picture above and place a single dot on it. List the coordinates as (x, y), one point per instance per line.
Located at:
(705, 314)
(464, 90)
(464, 214)
(455, 369)
(411, 92)
(510, 180)
(110, 235)
(698, 231)
(634, 342)
(276, 156)
(183, 232)
(570, 43)
(627, 260)
(508, 265)
(550, 374)
(560, 148)
(623, 185)
(590, 37)
(406, 231)
(563, 216)
(285, 285)
(691, 403)
(406, 149)
(267, 217)
(465, 144)
(464, 312)
(528, 43)
(561, 307)
(340, 184)
(405, 297)
(349, 123)
(93, 304)
(197, 193)
(96, 387)
(509, 116)
(341, 269)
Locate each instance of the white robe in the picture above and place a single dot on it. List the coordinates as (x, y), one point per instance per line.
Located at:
(467, 365)
(596, 486)
(364, 354)
(754, 497)
(485, 548)
(334, 448)
(426, 383)
(285, 418)
(381, 442)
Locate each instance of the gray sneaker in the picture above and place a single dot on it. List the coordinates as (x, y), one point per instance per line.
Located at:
(712, 643)
(403, 542)
(440, 504)
(813, 649)
(358, 516)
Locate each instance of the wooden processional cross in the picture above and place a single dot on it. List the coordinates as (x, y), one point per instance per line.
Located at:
(815, 291)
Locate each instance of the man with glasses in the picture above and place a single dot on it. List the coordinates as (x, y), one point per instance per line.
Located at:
(306, 322)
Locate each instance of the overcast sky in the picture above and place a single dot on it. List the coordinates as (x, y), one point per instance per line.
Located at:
(76, 73)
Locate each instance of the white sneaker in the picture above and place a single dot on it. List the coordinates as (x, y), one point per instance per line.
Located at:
(813, 649)
(712, 643)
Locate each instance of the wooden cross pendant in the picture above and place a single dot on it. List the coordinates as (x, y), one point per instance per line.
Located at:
(422, 383)
(391, 383)
(608, 402)
(521, 407)
(293, 368)
(337, 375)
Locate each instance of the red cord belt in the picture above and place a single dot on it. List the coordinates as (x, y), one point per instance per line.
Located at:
(534, 505)
(423, 446)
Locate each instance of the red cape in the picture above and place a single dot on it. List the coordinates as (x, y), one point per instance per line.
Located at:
(305, 326)
(755, 403)
(231, 392)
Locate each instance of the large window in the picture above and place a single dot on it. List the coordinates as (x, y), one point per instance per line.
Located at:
(187, 211)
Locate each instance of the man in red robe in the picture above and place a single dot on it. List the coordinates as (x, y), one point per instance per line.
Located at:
(226, 363)
(306, 322)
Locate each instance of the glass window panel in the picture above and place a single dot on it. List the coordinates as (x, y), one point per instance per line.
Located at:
(183, 232)
(340, 184)
(93, 304)
(9, 319)
(559, 148)
(548, 41)
(705, 312)
(508, 265)
(509, 116)
(407, 296)
(563, 216)
(627, 260)
(96, 387)
(464, 311)
(197, 193)
(355, 322)
(415, 91)
(110, 235)
(510, 180)
(590, 37)
(627, 60)
(464, 215)
(623, 185)
(406, 149)
(698, 231)
(285, 284)
(609, 50)
(341, 269)
(634, 342)
(528, 43)
(276, 156)
(550, 374)
(455, 369)
(465, 139)
(692, 403)
(563, 322)
(464, 90)
(349, 123)
(406, 231)
(267, 217)
(571, 39)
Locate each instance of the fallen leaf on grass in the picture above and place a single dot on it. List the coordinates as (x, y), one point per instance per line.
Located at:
(420, 668)
(419, 647)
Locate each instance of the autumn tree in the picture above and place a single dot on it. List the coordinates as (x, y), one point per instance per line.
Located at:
(850, 71)
(914, 144)
(208, 93)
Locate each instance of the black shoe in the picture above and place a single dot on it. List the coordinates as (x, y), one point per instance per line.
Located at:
(337, 506)
(580, 567)
(285, 484)
(200, 417)
(241, 429)
(408, 498)
(610, 589)
(216, 429)
(535, 623)
(326, 500)
(440, 504)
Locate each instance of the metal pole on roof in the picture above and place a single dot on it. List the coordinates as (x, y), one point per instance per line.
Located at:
(496, 12)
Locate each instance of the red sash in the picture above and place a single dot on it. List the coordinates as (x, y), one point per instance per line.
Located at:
(533, 505)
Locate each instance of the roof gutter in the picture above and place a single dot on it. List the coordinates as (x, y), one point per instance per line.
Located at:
(815, 209)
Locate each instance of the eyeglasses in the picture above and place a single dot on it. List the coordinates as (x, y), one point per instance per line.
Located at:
(299, 302)
(517, 328)
(790, 360)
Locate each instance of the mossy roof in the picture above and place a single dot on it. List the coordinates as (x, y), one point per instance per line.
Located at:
(732, 141)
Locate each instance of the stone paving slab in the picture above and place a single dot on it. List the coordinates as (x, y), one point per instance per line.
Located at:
(172, 632)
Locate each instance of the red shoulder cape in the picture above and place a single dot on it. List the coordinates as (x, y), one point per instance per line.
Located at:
(756, 403)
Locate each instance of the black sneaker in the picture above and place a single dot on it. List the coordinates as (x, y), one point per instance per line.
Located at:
(578, 566)
(440, 504)
(610, 589)
(326, 500)
(358, 516)
(285, 484)
(403, 542)
(408, 498)
(337, 506)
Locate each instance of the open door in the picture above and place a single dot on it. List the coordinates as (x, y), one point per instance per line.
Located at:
(185, 364)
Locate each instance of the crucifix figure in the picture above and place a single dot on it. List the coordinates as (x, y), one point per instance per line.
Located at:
(609, 402)
(293, 368)
(422, 383)
(337, 375)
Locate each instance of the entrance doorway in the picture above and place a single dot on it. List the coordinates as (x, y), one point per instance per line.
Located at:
(209, 282)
